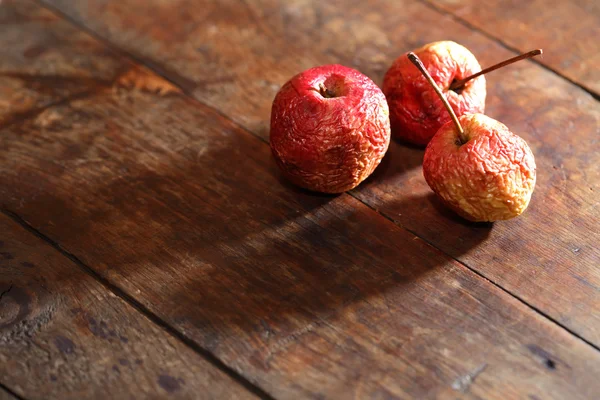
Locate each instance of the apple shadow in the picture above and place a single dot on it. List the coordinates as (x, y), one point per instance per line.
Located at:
(398, 160)
(450, 215)
(200, 227)
(292, 188)
(427, 217)
(400, 193)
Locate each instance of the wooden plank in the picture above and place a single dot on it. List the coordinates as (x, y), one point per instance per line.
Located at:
(306, 295)
(4, 395)
(235, 58)
(64, 336)
(567, 30)
(36, 71)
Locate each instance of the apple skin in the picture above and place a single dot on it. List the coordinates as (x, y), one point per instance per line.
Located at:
(416, 112)
(330, 128)
(490, 177)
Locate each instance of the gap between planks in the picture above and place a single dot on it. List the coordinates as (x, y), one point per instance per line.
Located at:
(177, 80)
(117, 291)
(431, 5)
(11, 392)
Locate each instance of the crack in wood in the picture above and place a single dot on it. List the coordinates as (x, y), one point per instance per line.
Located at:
(139, 307)
(6, 389)
(5, 292)
(502, 43)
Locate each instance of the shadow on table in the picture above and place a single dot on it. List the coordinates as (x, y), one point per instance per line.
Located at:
(204, 232)
(397, 189)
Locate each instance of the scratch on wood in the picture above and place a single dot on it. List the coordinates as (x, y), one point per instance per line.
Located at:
(583, 280)
(286, 341)
(462, 383)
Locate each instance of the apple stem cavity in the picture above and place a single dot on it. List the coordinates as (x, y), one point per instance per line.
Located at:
(326, 92)
(417, 62)
(457, 85)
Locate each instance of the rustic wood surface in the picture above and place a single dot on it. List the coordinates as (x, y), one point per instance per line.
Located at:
(568, 30)
(64, 336)
(4, 395)
(235, 58)
(37, 68)
(268, 278)
(176, 207)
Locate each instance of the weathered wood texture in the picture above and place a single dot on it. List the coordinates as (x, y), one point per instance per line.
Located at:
(306, 295)
(64, 336)
(4, 395)
(43, 66)
(567, 30)
(235, 58)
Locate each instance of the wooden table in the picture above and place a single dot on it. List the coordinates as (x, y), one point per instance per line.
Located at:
(149, 247)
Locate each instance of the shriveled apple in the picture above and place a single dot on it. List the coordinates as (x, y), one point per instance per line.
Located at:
(477, 166)
(330, 128)
(416, 112)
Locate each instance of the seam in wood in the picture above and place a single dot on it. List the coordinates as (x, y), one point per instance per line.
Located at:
(485, 278)
(18, 117)
(513, 49)
(181, 83)
(116, 290)
(515, 296)
(128, 77)
(11, 392)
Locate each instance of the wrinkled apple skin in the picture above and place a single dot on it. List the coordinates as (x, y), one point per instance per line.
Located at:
(330, 144)
(416, 112)
(491, 177)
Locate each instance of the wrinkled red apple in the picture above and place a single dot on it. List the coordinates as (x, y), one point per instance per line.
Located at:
(416, 113)
(330, 128)
(489, 177)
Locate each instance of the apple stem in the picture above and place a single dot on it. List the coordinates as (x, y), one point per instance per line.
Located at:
(415, 60)
(325, 92)
(458, 84)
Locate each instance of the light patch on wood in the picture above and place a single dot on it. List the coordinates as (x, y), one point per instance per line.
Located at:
(48, 117)
(141, 78)
(462, 383)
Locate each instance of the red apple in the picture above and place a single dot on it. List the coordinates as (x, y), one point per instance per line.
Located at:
(330, 128)
(476, 165)
(488, 177)
(416, 113)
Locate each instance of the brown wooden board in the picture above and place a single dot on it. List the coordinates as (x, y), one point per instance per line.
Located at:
(568, 31)
(65, 336)
(4, 395)
(234, 58)
(45, 60)
(305, 295)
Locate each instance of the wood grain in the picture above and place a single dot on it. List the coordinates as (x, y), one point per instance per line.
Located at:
(566, 30)
(4, 395)
(46, 60)
(235, 58)
(64, 336)
(308, 296)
